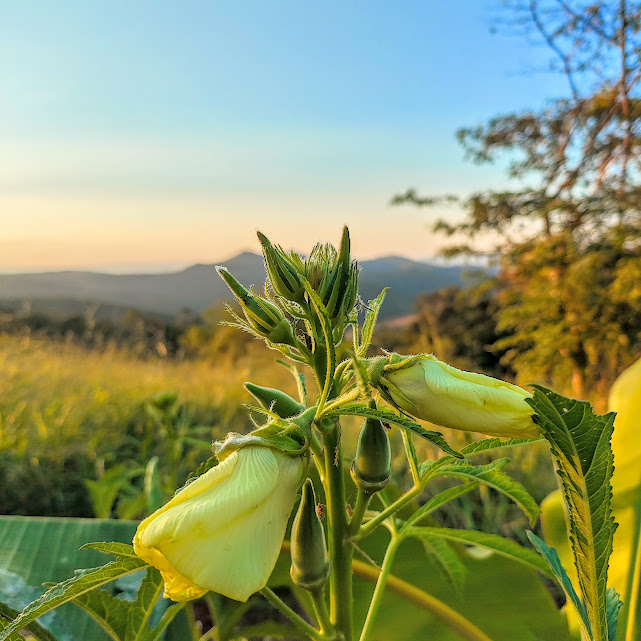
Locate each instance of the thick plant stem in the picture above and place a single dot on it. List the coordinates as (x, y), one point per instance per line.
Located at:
(297, 620)
(340, 550)
(379, 590)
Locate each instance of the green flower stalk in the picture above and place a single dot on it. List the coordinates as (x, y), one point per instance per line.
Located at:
(310, 564)
(263, 317)
(434, 391)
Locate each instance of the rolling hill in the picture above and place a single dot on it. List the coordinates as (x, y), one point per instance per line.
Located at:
(199, 286)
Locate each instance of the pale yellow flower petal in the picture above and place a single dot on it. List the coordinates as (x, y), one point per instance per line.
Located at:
(223, 532)
(439, 393)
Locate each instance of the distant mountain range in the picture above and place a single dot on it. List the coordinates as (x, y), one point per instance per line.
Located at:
(199, 286)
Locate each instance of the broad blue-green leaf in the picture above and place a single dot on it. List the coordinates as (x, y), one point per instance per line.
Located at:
(387, 416)
(71, 588)
(552, 558)
(492, 475)
(613, 606)
(580, 443)
(46, 549)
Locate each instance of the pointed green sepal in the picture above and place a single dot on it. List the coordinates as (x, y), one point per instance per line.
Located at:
(263, 317)
(310, 563)
(284, 276)
(275, 400)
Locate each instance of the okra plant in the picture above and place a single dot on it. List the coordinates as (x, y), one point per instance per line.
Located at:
(222, 534)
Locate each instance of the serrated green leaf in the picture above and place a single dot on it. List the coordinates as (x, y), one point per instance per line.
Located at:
(505, 547)
(387, 416)
(109, 612)
(155, 633)
(613, 605)
(71, 588)
(117, 549)
(35, 630)
(442, 554)
(553, 560)
(488, 444)
(373, 307)
(15, 636)
(492, 475)
(128, 620)
(441, 499)
(140, 610)
(580, 442)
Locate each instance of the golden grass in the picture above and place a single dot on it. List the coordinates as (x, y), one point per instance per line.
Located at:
(52, 394)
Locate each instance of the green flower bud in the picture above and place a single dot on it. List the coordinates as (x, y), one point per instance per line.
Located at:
(373, 460)
(310, 564)
(262, 316)
(434, 391)
(334, 276)
(279, 402)
(284, 274)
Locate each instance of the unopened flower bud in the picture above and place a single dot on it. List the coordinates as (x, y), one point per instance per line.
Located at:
(278, 402)
(262, 316)
(373, 460)
(284, 274)
(334, 276)
(433, 391)
(310, 563)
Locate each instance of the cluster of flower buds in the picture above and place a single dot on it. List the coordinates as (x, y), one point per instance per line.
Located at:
(334, 277)
(263, 317)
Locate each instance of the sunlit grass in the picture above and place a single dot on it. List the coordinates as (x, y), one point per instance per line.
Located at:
(62, 396)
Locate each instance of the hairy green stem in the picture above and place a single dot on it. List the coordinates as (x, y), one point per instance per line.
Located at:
(407, 444)
(379, 590)
(321, 612)
(340, 549)
(362, 501)
(296, 619)
(372, 524)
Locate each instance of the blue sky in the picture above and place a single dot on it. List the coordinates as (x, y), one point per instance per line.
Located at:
(162, 133)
